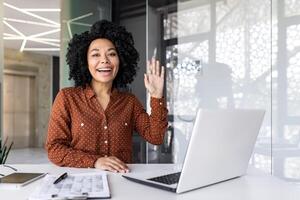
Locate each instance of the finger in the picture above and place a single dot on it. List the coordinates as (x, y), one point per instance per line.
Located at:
(107, 167)
(148, 67)
(162, 73)
(153, 66)
(157, 68)
(118, 165)
(152, 61)
(146, 80)
(113, 167)
(120, 162)
(105, 164)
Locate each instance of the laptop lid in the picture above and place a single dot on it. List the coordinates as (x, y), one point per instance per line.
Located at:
(220, 147)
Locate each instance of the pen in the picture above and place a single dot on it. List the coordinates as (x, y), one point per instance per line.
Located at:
(60, 178)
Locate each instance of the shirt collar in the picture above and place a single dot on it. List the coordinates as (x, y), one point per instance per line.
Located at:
(89, 92)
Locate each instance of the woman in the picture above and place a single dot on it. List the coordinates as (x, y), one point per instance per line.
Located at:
(91, 124)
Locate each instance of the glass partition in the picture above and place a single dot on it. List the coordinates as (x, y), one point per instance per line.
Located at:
(285, 91)
(1, 72)
(213, 60)
(231, 54)
(76, 17)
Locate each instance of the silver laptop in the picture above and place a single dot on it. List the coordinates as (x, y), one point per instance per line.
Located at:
(220, 147)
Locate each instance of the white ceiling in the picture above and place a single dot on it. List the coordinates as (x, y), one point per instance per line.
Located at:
(32, 25)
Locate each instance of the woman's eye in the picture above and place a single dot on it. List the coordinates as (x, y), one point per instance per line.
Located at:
(112, 54)
(96, 55)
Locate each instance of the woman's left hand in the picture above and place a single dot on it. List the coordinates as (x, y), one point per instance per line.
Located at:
(154, 79)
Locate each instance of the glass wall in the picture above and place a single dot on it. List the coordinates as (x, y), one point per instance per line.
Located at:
(1, 71)
(286, 87)
(231, 54)
(30, 38)
(76, 17)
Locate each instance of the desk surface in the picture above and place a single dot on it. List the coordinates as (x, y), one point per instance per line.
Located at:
(255, 185)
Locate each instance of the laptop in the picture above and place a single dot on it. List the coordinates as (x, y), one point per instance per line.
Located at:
(219, 149)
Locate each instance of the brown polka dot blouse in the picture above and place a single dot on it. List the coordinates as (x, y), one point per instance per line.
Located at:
(80, 131)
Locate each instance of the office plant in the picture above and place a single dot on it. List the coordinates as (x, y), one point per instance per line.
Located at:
(4, 150)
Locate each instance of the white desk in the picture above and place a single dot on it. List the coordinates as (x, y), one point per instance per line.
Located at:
(256, 185)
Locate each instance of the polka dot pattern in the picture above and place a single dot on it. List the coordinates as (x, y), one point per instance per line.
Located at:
(80, 131)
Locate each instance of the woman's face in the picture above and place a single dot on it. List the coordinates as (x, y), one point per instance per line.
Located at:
(103, 60)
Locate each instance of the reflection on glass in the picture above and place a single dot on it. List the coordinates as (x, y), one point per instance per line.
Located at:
(291, 168)
(293, 70)
(292, 7)
(292, 135)
(234, 54)
(76, 18)
(262, 162)
(234, 73)
(193, 18)
(286, 96)
(242, 43)
(170, 26)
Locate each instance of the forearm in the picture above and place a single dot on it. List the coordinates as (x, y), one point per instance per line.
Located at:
(63, 155)
(157, 131)
(153, 127)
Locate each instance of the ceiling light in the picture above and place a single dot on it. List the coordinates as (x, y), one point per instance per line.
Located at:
(31, 22)
(13, 28)
(23, 45)
(41, 49)
(70, 21)
(31, 14)
(41, 9)
(36, 37)
(44, 33)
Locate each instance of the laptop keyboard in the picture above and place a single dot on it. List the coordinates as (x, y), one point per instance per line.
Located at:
(167, 179)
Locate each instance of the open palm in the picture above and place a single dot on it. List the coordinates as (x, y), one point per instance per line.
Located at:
(154, 79)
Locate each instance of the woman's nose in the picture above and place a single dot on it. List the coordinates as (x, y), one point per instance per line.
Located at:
(104, 59)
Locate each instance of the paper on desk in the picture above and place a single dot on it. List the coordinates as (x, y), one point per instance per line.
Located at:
(89, 185)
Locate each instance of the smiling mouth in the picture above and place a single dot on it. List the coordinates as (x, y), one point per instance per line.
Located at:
(104, 70)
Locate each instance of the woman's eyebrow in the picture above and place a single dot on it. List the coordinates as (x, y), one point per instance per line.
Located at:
(110, 49)
(94, 50)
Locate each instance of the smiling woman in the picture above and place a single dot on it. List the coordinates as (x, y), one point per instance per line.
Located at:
(91, 124)
(103, 61)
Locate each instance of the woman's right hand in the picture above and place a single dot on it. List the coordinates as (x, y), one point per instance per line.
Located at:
(112, 164)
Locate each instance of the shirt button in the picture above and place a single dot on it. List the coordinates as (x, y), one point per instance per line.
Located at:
(81, 124)
(160, 103)
(105, 127)
(105, 155)
(105, 141)
(125, 124)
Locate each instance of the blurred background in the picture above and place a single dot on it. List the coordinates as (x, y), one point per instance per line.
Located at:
(218, 54)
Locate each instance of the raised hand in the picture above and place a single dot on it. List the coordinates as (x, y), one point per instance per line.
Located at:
(154, 79)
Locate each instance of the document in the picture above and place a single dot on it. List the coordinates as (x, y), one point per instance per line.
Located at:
(74, 186)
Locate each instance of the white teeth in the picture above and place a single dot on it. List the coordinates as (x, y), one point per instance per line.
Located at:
(103, 70)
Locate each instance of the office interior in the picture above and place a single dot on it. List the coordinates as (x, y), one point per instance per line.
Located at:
(218, 54)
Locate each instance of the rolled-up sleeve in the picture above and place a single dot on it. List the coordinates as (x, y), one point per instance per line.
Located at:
(59, 137)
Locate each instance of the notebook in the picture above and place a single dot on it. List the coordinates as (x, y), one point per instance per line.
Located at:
(82, 185)
(19, 179)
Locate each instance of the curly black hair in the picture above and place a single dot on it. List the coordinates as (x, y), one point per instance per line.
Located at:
(123, 41)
